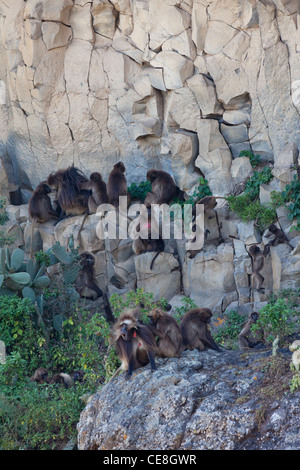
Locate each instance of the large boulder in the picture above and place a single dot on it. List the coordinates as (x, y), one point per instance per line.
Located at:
(201, 401)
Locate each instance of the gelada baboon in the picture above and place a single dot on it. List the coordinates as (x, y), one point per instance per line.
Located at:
(135, 343)
(258, 259)
(163, 188)
(117, 185)
(209, 203)
(71, 199)
(143, 245)
(247, 338)
(279, 237)
(195, 332)
(40, 376)
(40, 208)
(85, 284)
(169, 343)
(98, 195)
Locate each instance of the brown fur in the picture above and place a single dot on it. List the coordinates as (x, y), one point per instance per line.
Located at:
(258, 259)
(134, 342)
(117, 184)
(85, 283)
(40, 208)
(62, 378)
(99, 192)
(169, 343)
(40, 376)
(98, 196)
(163, 188)
(71, 198)
(144, 245)
(209, 203)
(247, 339)
(280, 237)
(194, 330)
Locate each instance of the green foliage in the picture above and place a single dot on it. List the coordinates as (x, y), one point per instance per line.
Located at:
(139, 191)
(188, 304)
(295, 382)
(291, 196)
(38, 417)
(18, 329)
(228, 332)
(247, 205)
(43, 258)
(277, 318)
(4, 239)
(255, 160)
(134, 299)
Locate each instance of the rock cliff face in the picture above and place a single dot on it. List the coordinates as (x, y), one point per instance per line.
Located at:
(182, 85)
(202, 401)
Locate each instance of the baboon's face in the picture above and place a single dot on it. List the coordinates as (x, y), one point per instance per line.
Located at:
(206, 315)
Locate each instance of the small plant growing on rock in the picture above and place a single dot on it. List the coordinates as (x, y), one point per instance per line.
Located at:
(255, 160)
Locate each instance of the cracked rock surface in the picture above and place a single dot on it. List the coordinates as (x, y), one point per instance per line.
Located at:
(176, 85)
(203, 400)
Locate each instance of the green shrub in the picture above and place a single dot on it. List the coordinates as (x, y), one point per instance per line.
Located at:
(278, 319)
(228, 332)
(135, 299)
(247, 205)
(39, 417)
(18, 329)
(139, 191)
(291, 196)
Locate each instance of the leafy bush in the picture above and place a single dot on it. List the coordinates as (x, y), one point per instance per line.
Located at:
(38, 417)
(278, 319)
(139, 191)
(247, 205)
(228, 332)
(19, 330)
(291, 196)
(138, 298)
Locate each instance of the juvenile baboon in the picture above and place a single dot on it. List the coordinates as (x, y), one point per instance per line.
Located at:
(143, 245)
(98, 189)
(195, 332)
(85, 284)
(98, 195)
(135, 343)
(248, 339)
(40, 208)
(117, 184)
(209, 203)
(70, 197)
(163, 188)
(280, 237)
(258, 259)
(169, 343)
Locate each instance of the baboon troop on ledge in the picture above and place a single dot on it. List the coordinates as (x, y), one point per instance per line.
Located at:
(138, 343)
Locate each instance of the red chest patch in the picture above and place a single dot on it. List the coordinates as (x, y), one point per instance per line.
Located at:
(134, 336)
